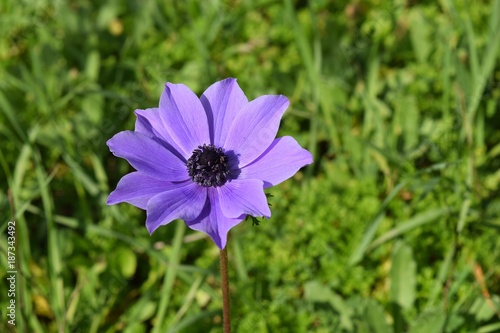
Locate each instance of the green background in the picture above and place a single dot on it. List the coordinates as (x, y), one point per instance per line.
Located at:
(394, 228)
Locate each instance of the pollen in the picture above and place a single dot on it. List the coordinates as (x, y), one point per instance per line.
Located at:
(208, 166)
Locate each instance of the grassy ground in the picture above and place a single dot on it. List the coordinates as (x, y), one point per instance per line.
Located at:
(394, 228)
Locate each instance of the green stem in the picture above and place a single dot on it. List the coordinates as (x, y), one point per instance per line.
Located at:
(225, 291)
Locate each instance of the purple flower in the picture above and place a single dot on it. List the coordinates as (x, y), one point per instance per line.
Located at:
(206, 160)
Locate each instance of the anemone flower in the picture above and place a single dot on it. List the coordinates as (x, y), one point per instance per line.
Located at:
(206, 160)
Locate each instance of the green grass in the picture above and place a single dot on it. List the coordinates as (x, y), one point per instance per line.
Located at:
(394, 228)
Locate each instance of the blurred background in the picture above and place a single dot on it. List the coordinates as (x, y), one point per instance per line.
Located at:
(394, 228)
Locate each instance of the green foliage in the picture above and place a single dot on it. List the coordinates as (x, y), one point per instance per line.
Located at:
(394, 228)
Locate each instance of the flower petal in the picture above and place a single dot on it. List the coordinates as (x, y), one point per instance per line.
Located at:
(182, 202)
(144, 119)
(184, 118)
(222, 102)
(136, 189)
(278, 163)
(243, 196)
(255, 127)
(212, 222)
(148, 156)
(150, 124)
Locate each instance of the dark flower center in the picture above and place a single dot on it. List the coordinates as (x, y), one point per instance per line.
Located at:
(208, 166)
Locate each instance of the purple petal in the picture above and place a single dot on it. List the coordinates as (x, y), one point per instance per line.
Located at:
(148, 156)
(184, 117)
(255, 127)
(144, 120)
(278, 163)
(245, 196)
(222, 102)
(182, 202)
(137, 188)
(150, 124)
(212, 222)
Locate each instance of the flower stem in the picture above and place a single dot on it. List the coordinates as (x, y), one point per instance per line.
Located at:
(225, 291)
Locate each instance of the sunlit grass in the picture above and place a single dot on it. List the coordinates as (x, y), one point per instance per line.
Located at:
(393, 228)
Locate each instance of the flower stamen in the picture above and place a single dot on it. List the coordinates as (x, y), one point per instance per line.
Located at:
(208, 166)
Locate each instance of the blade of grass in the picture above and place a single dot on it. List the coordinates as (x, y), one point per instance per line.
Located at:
(441, 278)
(189, 299)
(55, 264)
(238, 260)
(415, 222)
(473, 53)
(192, 320)
(491, 328)
(9, 112)
(360, 250)
(170, 275)
(312, 65)
(488, 62)
(80, 174)
(403, 282)
(22, 167)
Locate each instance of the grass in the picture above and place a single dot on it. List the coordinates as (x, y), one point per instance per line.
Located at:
(394, 228)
